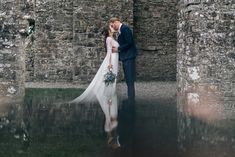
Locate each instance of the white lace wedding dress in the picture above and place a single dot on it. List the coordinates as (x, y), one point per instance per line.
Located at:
(98, 91)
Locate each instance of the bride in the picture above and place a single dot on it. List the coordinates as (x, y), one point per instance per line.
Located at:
(98, 90)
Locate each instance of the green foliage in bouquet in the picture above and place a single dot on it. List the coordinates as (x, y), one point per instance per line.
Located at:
(109, 78)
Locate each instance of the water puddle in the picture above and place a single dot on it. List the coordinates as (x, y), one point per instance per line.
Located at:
(46, 125)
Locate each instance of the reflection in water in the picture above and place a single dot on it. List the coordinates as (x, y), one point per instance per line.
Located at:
(43, 126)
(204, 105)
(52, 128)
(206, 125)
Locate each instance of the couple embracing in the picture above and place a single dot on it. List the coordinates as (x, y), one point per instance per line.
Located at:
(123, 49)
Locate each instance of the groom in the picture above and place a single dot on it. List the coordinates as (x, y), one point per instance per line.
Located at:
(127, 54)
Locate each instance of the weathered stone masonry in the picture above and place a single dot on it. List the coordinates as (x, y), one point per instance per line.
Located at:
(12, 61)
(13, 40)
(206, 74)
(155, 24)
(68, 44)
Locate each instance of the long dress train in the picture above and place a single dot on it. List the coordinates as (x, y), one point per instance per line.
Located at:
(97, 90)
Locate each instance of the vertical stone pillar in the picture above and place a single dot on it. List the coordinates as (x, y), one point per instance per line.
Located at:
(12, 62)
(11, 52)
(205, 75)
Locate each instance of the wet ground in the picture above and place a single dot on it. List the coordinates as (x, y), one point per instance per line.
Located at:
(45, 125)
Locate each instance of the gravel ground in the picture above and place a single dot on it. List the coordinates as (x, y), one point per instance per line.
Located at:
(150, 90)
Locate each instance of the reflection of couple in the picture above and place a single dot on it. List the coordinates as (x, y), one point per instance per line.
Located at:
(123, 49)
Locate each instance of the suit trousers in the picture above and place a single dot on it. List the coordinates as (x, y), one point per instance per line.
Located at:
(129, 69)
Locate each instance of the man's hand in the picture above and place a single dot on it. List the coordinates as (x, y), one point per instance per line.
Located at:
(114, 49)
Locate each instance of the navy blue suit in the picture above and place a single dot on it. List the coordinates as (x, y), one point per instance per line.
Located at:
(127, 49)
(127, 54)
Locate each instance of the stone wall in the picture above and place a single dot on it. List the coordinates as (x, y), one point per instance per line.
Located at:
(88, 42)
(155, 23)
(69, 46)
(66, 44)
(13, 40)
(52, 51)
(12, 49)
(205, 69)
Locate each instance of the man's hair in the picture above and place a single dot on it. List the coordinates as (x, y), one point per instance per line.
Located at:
(113, 19)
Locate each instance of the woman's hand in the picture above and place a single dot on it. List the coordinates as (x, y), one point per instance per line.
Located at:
(110, 67)
(111, 28)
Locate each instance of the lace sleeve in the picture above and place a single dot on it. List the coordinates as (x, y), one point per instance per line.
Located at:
(109, 45)
(109, 48)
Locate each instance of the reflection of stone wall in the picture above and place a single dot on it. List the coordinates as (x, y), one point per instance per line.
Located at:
(47, 113)
(155, 31)
(206, 68)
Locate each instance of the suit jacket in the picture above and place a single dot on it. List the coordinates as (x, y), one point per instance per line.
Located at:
(127, 48)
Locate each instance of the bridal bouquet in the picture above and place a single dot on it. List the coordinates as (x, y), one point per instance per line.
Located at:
(109, 77)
